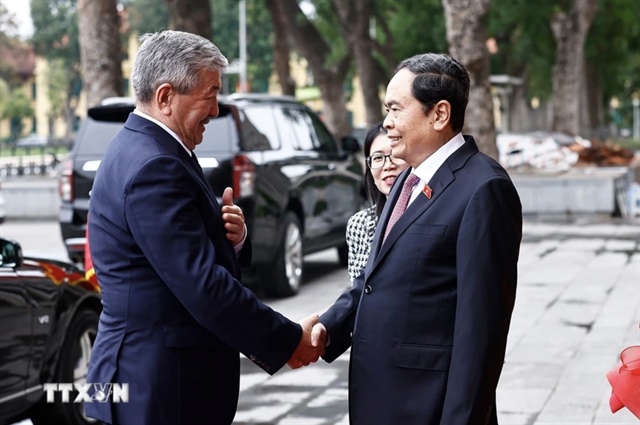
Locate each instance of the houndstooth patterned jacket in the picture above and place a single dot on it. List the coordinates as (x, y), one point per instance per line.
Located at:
(360, 230)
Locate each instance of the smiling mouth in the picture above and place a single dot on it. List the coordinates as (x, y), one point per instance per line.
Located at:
(389, 179)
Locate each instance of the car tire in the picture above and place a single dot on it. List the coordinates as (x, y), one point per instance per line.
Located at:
(343, 254)
(72, 367)
(286, 273)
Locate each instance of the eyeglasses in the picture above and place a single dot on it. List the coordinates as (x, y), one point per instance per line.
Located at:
(378, 160)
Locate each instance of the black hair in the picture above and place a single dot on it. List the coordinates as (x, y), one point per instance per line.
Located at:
(439, 77)
(378, 198)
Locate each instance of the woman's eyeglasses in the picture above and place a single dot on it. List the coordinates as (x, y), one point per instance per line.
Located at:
(378, 160)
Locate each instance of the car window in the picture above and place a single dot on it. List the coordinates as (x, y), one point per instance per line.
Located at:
(96, 135)
(294, 129)
(220, 135)
(326, 142)
(259, 130)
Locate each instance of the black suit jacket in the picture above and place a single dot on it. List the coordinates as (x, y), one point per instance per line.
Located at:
(427, 322)
(175, 316)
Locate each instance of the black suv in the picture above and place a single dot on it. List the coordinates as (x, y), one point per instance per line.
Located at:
(297, 186)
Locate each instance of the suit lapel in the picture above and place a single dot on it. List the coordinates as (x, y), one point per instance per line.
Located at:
(138, 124)
(438, 183)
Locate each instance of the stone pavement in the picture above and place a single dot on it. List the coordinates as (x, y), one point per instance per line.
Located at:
(577, 307)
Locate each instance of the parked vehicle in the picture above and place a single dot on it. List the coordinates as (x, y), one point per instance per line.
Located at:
(32, 140)
(3, 214)
(48, 323)
(296, 185)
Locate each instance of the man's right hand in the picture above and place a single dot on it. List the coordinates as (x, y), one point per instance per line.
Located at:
(311, 345)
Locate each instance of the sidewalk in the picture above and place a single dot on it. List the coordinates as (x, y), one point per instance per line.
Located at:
(577, 307)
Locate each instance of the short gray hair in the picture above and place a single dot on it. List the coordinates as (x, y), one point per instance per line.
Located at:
(173, 57)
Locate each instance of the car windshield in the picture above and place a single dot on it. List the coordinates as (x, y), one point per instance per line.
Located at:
(101, 133)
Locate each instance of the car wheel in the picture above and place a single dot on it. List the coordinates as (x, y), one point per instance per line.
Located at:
(286, 275)
(343, 255)
(73, 366)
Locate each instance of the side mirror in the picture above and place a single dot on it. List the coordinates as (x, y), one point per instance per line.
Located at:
(350, 144)
(10, 254)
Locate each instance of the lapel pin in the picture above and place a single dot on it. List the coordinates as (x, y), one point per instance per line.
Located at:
(427, 191)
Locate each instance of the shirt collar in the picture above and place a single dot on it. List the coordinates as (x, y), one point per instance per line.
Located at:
(164, 127)
(429, 166)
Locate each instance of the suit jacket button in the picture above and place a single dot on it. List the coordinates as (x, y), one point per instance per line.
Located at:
(367, 289)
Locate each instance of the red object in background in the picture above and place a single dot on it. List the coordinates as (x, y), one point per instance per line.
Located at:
(89, 271)
(625, 382)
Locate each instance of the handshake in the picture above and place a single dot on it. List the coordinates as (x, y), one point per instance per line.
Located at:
(312, 343)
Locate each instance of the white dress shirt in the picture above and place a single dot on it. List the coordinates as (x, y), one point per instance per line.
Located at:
(428, 168)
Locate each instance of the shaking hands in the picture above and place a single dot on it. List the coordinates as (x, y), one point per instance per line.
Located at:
(312, 343)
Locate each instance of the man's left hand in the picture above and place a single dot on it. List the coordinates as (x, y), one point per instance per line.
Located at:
(233, 218)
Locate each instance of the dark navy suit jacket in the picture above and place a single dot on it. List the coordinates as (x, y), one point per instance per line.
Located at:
(430, 314)
(174, 316)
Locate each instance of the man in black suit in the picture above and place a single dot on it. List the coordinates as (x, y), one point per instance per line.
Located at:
(175, 316)
(427, 322)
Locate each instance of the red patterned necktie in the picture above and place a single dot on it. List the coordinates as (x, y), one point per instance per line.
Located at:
(403, 201)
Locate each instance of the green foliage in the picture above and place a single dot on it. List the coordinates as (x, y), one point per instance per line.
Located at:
(55, 34)
(615, 37)
(226, 27)
(17, 106)
(225, 22)
(56, 38)
(259, 45)
(153, 15)
(526, 44)
(326, 21)
(148, 15)
(415, 29)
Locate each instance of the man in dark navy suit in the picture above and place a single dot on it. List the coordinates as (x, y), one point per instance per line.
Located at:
(427, 321)
(167, 256)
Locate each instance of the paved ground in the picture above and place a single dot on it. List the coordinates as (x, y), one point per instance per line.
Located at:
(576, 309)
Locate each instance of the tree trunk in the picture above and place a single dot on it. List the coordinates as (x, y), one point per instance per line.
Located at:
(99, 37)
(355, 17)
(329, 77)
(192, 16)
(595, 102)
(570, 31)
(467, 35)
(281, 48)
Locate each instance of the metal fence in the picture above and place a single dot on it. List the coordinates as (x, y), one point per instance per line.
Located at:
(29, 167)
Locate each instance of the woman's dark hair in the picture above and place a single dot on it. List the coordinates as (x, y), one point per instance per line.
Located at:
(378, 198)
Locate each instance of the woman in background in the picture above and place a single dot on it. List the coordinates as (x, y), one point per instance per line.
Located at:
(380, 174)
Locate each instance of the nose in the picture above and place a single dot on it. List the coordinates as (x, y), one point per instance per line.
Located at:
(388, 122)
(214, 110)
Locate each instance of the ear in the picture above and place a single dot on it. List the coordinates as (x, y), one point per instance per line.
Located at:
(442, 115)
(164, 96)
